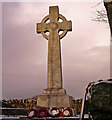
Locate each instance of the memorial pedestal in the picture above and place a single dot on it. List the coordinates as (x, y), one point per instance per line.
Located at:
(54, 99)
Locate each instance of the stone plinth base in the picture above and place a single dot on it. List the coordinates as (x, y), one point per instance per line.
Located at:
(54, 91)
(61, 100)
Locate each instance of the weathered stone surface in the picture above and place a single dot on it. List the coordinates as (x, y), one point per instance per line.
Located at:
(54, 95)
(54, 70)
(101, 100)
(62, 100)
(54, 91)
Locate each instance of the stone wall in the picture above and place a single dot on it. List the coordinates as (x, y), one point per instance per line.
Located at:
(22, 103)
(99, 95)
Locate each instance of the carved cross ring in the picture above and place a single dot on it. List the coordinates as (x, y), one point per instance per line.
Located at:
(54, 26)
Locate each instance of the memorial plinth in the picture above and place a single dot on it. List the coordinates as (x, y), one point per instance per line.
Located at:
(54, 95)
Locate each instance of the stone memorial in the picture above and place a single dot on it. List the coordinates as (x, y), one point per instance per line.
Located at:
(55, 95)
(100, 99)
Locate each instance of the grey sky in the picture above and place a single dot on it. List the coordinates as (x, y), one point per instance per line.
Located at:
(85, 50)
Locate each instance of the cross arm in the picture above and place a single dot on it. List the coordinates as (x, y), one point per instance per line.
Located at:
(41, 27)
(65, 25)
(53, 13)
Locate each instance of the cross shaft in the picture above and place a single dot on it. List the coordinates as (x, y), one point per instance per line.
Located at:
(54, 73)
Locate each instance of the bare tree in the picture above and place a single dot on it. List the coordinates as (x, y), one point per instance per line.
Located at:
(100, 15)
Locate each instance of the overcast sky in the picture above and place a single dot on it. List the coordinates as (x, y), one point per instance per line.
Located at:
(85, 50)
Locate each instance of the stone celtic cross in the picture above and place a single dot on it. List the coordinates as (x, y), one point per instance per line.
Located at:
(54, 70)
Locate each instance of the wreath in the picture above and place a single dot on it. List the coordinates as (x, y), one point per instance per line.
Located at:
(31, 113)
(43, 112)
(67, 112)
(54, 112)
(22, 118)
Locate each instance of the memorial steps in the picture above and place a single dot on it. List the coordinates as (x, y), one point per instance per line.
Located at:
(46, 118)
